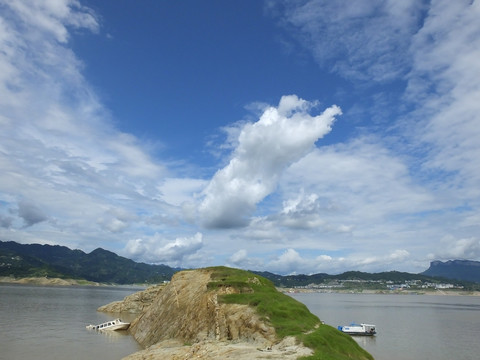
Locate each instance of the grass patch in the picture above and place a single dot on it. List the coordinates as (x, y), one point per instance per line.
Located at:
(330, 344)
(288, 316)
(285, 314)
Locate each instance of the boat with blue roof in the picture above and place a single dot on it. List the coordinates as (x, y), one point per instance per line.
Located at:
(359, 329)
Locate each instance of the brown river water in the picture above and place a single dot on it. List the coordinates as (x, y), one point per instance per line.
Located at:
(409, 327)
(38, 322)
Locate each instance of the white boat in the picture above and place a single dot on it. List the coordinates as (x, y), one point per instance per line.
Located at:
(358, 329)
(112, 325)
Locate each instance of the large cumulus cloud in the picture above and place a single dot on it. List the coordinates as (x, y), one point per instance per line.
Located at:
(281, 136)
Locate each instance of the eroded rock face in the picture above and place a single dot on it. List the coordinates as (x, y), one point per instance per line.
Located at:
(186, 311)
(135, 303)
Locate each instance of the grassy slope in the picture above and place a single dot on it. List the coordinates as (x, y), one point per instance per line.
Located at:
(288, 316)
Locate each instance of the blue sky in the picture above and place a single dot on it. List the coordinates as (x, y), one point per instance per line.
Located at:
(288, 136)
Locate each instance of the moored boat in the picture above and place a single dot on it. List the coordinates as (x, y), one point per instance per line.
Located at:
(112, 325)
(358, 329)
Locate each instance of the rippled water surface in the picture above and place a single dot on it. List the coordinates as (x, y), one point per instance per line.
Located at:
(410, 327)
(39, 322)
(49, 323)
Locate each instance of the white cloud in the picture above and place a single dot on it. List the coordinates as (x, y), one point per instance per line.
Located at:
(288, 262)
(158, 250)
(53, 16)
(281, 136)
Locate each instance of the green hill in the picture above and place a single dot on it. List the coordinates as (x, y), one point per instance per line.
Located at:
(34, 260)
(288, 316)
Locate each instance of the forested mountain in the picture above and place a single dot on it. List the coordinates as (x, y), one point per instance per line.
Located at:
(100, 265)
(104, 266)
(390, 276)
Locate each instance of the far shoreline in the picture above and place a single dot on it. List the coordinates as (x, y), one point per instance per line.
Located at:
(47, 281)
(382, 292)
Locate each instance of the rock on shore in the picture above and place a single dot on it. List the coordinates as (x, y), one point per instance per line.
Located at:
(186, 321)
(186, 310)
(135, 303)
(213, 313)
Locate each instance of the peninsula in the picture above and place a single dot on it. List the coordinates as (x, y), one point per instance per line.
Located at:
(220, 312)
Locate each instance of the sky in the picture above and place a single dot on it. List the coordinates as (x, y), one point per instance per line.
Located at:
(290, 136)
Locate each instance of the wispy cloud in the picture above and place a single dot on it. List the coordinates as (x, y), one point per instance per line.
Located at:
(399, 191)
(443, 84)
(67, 172)
(362, 40)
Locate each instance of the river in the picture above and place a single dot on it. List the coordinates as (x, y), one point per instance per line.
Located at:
(409, 327)
(38, 322)
(41, 322)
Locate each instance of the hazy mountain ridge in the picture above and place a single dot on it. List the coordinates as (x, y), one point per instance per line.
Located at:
(24, 260)
(21, 260)
(303, 280)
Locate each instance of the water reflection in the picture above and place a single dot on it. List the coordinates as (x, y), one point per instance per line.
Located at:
(112, 336)
(365, 341)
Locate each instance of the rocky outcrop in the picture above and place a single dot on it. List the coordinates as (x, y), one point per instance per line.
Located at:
(187, 311)
(187, 321)
(213, 313)
(135, 303)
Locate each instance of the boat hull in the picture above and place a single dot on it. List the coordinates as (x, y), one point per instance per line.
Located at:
(358, 329)
(113, 325)
(358, 333)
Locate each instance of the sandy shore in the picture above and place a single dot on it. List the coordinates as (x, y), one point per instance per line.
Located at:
(46, 281)
(288, 349)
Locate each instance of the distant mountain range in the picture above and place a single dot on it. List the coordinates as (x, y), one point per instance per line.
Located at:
(34, 260)
(465, 270)
(304, 280)
(100, 265)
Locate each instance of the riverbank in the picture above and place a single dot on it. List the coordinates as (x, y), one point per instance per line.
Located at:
(383, 292)
(47, 281)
